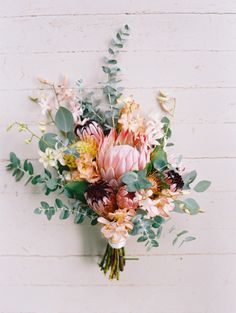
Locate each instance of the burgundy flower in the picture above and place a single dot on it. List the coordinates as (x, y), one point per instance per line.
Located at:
(172, 178)
(101, 198)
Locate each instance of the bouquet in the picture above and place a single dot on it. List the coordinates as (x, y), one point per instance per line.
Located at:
(105, 161)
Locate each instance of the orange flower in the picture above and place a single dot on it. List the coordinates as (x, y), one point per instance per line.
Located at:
(87, 168)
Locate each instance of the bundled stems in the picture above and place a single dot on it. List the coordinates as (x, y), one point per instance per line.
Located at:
(113, 261)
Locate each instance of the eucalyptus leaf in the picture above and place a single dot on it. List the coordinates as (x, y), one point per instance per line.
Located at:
(64, 120)
(142, 239)
(188, 179)
(202, 186)
(159, 158)
(192, 206)
(65, 213)
(48, 140)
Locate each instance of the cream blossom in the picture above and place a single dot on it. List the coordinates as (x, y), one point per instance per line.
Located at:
(162, 205)
(146, 203)
(50, 157)
(47, 104)
(153, 132)
(165, 206)
(130, 118)
(117, 230)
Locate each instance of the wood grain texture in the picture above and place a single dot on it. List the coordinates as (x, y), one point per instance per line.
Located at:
(187, 48)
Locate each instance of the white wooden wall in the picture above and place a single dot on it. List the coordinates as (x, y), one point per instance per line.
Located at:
(186, 47)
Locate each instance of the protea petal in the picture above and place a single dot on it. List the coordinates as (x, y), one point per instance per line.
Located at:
(116, 157)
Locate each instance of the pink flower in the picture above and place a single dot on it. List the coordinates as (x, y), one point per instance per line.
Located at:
(90, 129)
(115, 158)
(125, 199)
(117, 229)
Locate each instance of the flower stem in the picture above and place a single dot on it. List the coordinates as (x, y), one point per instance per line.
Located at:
(113, 262)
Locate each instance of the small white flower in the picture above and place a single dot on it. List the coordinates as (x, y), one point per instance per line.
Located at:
(47, 158)
(46, 104)
(50, 157)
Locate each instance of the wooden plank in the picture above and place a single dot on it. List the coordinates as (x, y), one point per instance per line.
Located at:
(148, 32)
(72, 7)
(54, 271)
(161, 69)
(185, 285)
(206, 106)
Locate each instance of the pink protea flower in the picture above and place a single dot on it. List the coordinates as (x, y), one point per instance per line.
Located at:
(101, 198)
(115, 158)
(90, 129)
(125, 199)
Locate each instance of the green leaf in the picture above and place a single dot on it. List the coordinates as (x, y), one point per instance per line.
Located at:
(65, 213)
(202, 186)
(106, 69)
(51, 184)
(37, 211)
(76, 189)
(25, 165)
(79, 218)
(111, 51)
(148, 167)
(19, 175)
(59, 203)
(30, 168)
(174, 241)
(159, 158)
(14, 159)
(64, 120)
(188, 179)
(94, 221)
(187, 239)
(136, 181)
(158, 219)
(142, 239)
(165, 120)
(48, 140)
(44, 205)
(179, 206)
(9, 167)
(182, 233)
(49, 212)
(36, 180)
(118, 36)
(159, 231)
(154, 243)
(129, 177)
(192, 206)
(28, 180)
(112, 61)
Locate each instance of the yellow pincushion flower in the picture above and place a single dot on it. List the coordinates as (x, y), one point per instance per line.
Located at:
(70, 161)
(86, 147)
